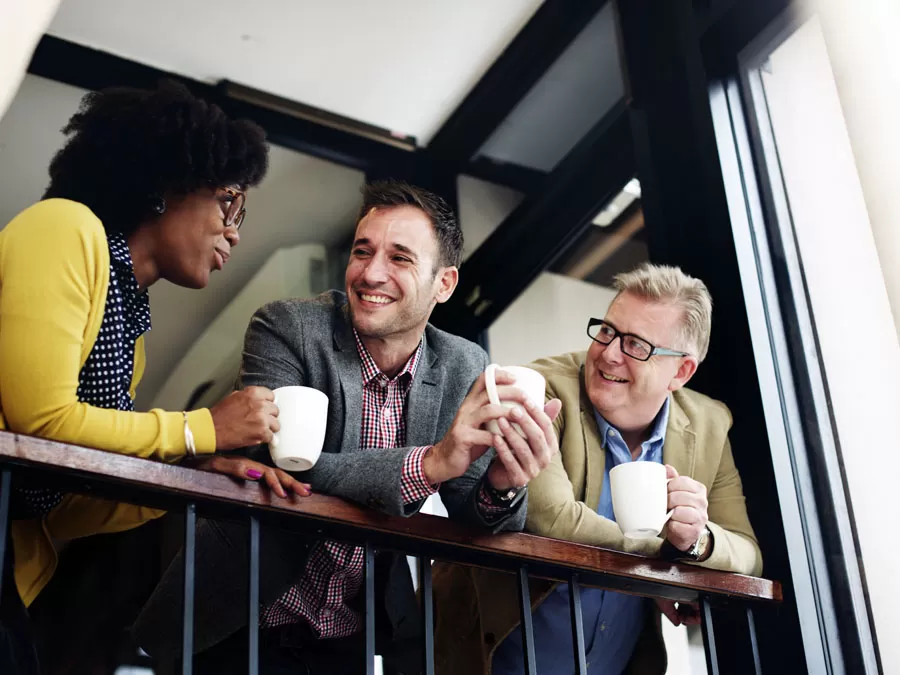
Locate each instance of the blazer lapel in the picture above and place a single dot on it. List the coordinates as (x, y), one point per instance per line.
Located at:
(349, 367)
(679, 449)
(424, 400)
(594, 452)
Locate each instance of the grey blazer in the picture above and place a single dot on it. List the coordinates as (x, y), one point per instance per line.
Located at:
(311, 343)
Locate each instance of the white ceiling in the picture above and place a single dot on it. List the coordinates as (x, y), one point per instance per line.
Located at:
(302, 200)
(400, 64)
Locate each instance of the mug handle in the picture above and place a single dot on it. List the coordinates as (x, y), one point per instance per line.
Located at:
(669, 514)
(490, 383)
(274, 442)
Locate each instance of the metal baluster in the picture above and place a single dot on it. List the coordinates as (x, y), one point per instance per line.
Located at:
(5, 490)
(187, 638)
(709, 638)
(369, 573)
(577, 625)
(253, 611)
(751, 623)
(428, 612)
(527, 627)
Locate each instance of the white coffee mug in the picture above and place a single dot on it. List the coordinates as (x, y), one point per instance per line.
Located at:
(640, 497)
(528, 380)
(303, 415)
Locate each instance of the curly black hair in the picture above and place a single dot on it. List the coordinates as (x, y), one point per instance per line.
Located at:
(130, 147)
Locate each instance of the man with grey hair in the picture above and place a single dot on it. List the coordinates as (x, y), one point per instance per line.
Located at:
(624, 400)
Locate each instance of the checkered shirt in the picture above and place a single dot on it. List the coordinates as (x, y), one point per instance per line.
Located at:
(334, 571)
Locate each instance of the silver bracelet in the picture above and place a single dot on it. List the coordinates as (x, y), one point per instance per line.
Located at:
(189, 437)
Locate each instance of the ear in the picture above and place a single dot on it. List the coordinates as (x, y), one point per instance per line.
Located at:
(447, 279)
(684, 373)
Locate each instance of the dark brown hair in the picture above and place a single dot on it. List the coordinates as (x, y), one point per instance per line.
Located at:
(387, 193)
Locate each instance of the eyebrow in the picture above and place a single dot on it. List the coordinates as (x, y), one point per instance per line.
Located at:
(610, 323)
(363, 241)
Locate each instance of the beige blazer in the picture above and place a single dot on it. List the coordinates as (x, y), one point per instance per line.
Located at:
(562, 503)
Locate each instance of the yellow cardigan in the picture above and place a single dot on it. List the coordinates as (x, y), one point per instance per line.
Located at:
(54, 275)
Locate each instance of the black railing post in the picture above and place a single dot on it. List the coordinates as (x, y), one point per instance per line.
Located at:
(709, 638)
(577, 625)
(369, 575)
(253, 609)
(427, 612)
(527, 627)
(5, 490)
(754, 646)
(187, 638)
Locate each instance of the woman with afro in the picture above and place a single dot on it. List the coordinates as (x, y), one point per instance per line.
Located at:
(150, 185)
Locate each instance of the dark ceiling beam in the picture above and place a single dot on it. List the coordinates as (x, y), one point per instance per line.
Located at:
(544, 38)
(542, 226)
(515, 176)
(79, 66)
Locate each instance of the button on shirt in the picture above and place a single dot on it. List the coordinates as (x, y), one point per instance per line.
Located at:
(612, 621)
(334, 571)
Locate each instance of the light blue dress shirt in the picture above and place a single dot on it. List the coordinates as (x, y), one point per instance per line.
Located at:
(612, 621)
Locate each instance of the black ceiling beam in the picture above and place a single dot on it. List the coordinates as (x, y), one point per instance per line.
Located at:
(515, 176)
(544, 38)
(88, 68)
(542, 226)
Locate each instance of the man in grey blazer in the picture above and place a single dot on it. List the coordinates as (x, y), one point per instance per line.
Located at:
(404, 420)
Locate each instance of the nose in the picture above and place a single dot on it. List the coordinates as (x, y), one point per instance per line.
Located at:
(375, 272)
(612, 353)
(232, 236)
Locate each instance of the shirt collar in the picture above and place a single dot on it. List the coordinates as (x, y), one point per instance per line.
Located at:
(371, 371)
(119, 253)
(657, 430)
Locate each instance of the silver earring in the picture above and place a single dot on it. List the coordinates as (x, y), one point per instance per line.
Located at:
(159, 206)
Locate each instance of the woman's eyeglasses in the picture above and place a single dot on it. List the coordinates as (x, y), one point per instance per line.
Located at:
(232, 202)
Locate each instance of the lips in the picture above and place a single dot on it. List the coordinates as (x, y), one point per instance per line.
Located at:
(221, 258)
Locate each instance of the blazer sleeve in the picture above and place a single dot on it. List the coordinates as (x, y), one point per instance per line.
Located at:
(555, 511)
(735, 547)
(52, 266)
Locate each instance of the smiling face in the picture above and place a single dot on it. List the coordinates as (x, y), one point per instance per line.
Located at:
(393, 279)
(192, 237)
(627, 392)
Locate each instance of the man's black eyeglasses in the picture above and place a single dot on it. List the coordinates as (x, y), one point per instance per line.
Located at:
(632, 345)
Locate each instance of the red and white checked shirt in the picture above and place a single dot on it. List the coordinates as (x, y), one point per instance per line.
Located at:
(334, 571)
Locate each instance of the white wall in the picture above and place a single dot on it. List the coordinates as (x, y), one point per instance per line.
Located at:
(548, 319)
(865, 57)
(482, 207)
(849, 300)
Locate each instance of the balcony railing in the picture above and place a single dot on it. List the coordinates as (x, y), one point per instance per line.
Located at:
(176, 488)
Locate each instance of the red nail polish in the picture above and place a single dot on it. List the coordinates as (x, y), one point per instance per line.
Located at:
(253, 473)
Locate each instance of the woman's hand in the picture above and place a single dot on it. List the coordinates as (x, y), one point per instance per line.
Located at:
(279, 481)
(245, 417)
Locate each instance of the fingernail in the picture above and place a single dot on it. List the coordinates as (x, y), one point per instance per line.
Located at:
(253, 473)
(530, 405)
(515, 413)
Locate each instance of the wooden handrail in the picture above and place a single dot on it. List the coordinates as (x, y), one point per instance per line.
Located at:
(85, 469)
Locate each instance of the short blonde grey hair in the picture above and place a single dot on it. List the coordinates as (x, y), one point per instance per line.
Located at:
(669, 285)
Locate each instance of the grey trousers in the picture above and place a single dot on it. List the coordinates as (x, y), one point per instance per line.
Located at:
(222, 589)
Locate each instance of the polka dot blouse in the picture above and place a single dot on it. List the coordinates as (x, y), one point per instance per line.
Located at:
(105, 379)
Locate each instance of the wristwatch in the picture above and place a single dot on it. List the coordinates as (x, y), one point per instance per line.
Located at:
(503, 497)
(700, 547)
